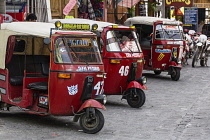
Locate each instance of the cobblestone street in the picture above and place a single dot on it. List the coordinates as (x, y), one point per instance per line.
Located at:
(174, 110)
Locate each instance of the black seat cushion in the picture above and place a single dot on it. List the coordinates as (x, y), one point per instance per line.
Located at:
(16, 80)
(38, 86)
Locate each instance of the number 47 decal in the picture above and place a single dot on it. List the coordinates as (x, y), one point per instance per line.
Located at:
(99, 87)
(124, 70)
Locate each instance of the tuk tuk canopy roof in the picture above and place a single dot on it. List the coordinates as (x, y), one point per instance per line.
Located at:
(145, 20)
(37, 29)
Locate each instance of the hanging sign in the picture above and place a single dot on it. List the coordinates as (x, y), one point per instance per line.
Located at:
(179, 3)
(69, 6)
(202, 5)
(190, 15)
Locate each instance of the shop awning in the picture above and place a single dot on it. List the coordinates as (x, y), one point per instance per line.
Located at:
(127, 3)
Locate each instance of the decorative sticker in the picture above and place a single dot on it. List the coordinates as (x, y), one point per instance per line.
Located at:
(160, 57)
(163, 51)
(43, 100)
(132, 55)
(73, 89)
(81, 68)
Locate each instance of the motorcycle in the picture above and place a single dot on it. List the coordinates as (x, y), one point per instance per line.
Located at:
(201, 53)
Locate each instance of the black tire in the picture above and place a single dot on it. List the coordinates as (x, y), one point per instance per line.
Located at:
(175, 74)
(136, 100)
(195, 59)
(204, 60)
(157, 72)
(92, 125)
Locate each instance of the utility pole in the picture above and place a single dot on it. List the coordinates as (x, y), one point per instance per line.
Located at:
(2, 6)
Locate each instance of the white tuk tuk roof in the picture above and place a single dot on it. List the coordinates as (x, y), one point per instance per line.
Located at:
(21, 28)
(101, 24)
(145, 20)
(38, 29)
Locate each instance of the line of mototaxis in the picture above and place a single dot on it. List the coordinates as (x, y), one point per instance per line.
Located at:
(67, 67)
(59, 69)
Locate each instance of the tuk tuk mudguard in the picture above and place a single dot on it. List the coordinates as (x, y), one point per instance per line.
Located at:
(135, 84)
(174, 64)
(91, 103)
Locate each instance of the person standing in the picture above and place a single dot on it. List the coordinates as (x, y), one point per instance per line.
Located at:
(200, 26)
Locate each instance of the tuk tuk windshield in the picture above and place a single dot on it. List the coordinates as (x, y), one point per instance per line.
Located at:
(168, 32)
(122, 41)
(81, 50)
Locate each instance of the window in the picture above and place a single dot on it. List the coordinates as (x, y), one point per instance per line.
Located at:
(168, 32)
(77, 50)
(122, 41)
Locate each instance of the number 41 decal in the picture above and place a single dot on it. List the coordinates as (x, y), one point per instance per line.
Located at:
(124, 70)
(99, 87)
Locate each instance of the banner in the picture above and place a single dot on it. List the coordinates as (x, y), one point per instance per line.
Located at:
(69, 6)
(179, 3)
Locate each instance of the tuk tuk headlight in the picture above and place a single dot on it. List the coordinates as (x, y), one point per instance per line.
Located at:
(94, 26)
(58, 24)
(142, 80)
(132, 27)
(101, 98)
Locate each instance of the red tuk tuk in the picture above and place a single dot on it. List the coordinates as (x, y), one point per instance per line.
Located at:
(123, 61)
(46, 70)
(162, 42)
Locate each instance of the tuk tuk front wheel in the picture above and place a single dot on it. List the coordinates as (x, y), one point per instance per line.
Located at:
(92, 123)
(175, 74)
(136, 97)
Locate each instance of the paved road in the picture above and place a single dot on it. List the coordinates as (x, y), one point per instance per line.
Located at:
(174, 110)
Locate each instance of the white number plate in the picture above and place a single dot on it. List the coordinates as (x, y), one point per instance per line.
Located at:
(43, 100)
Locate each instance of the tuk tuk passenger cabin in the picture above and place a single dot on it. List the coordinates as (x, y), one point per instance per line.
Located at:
(162, 43)
(46, 70)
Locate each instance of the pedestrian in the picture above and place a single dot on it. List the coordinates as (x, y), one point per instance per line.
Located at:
(31, 18)
(200, 27)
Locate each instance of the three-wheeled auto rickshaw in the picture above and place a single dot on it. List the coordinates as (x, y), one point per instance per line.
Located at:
(162, 42)
(123, 61)
(47, 70)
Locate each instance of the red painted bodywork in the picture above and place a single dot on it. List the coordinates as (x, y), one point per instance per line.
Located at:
(115, 84)
(59, 99)
(152, 58)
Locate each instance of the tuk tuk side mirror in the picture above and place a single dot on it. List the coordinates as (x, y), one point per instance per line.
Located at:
(47, 41)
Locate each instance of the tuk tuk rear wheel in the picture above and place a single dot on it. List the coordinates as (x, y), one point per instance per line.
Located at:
(157, 72)
(93, 123)
(175, 74)
(136, 97)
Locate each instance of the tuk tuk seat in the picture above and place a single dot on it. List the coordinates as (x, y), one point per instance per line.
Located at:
(43, 86)
(16, 80)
